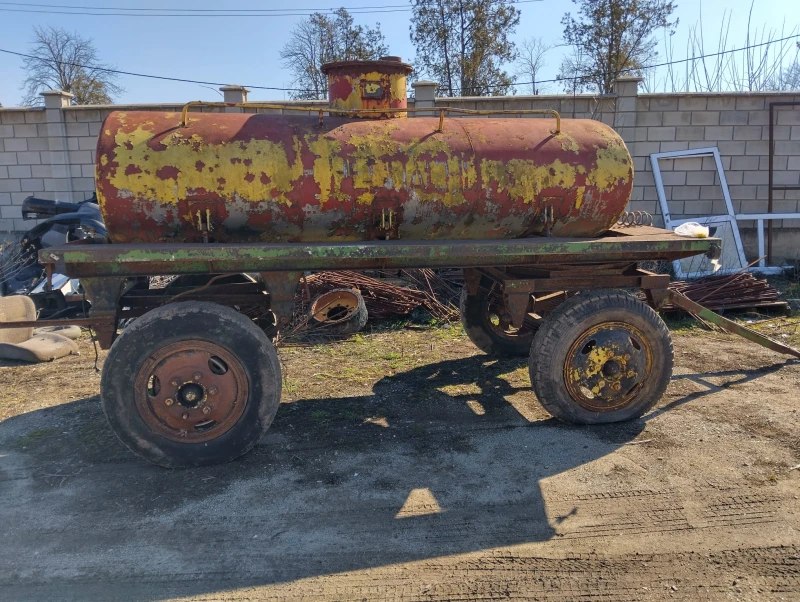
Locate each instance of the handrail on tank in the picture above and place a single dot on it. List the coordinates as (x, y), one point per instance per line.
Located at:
(321, 111)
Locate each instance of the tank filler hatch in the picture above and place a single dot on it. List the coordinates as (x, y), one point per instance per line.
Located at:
(360, 85)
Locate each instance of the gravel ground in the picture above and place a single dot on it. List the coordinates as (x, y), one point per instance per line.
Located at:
(405, 465)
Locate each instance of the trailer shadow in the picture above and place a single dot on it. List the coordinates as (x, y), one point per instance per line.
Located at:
(435, 462)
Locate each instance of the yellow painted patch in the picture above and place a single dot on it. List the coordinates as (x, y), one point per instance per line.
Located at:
(568, 143)
(579, 196)
(613, 167)
(525, 179)
(230, 175)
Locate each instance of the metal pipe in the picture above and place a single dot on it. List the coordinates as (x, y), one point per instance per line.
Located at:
(346, 112)
(770, 185)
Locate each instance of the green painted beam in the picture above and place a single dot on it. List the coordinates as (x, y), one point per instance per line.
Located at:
(651, 244)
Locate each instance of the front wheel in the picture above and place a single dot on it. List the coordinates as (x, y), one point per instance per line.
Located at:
(191, 384)
(602, 356)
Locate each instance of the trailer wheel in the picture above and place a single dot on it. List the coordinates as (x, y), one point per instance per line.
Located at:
(483, 319)
(602, 356)
(191, 384)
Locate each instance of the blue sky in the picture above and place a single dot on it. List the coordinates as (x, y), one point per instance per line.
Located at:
(245, 50)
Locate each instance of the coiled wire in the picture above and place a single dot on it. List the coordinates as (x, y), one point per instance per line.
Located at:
(635, 218)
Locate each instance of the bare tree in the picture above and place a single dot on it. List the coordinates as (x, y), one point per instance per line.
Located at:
(320, 39)
(60, 60)
(530, 62)
(765, 60)
(791, 75)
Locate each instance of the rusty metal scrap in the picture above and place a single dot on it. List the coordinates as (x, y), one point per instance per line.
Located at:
(737, 291)
(382, 298)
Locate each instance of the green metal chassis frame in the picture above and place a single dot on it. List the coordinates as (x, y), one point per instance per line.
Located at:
(524, 267)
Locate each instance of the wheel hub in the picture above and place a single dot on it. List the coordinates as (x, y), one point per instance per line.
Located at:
(607, 365)
(190, 395)
(191, 391)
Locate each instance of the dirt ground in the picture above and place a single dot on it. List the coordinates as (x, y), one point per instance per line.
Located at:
(405, 465)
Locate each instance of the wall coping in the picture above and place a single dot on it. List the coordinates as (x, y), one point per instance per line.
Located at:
(19, 109)
(777, 93)
(524, 97)
(788, 95)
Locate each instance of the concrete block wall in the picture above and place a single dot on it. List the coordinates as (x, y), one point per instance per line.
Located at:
(50, 152)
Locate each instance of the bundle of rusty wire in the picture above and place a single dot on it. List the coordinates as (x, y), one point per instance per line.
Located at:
(737, 291)
(382, 298)
(441, 295)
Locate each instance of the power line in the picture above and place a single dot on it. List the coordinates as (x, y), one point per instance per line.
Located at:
(646, 67)
(161, 77)
(544, 81)
(193, 12)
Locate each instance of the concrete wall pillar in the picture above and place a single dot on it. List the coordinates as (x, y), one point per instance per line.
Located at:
(234, 95)
(626, 89)
(59, 184)
(424, 96)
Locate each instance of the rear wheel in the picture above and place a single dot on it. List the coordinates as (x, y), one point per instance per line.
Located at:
(602, 356)
(191, 384)
(488, 324)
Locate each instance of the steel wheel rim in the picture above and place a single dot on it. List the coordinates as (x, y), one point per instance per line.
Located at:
(607, 366)
(501, 324)
(191, 391)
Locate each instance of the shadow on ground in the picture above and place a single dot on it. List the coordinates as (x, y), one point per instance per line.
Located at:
(342, 484)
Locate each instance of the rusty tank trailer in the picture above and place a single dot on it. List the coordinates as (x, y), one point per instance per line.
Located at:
(358, 175)
(526, 207)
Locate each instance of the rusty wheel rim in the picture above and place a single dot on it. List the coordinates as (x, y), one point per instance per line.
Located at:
(191, 391)
(499, 320)
(334, 307)
(607, 366)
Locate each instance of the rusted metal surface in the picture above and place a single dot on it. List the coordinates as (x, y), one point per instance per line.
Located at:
(606, 366)
(628, 244)
(281, 178)
(334, 306)
(191, 391)
(698, 310)
(89, 322)
(368, 85)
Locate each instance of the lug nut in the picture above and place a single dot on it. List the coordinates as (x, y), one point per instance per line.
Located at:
(197, 376)
(169, 401)
(206, 410)
(175, 382)
(212, 390)
(185, 415)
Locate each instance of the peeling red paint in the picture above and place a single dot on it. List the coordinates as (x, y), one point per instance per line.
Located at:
(168, 172)
(132, 170)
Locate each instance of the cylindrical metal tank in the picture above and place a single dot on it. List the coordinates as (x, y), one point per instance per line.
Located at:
(369, 85)
(231, 177)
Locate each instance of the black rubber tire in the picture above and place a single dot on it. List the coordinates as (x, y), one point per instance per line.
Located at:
(191, 320)
(562, 328)
(355, 323)
(474, 319)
